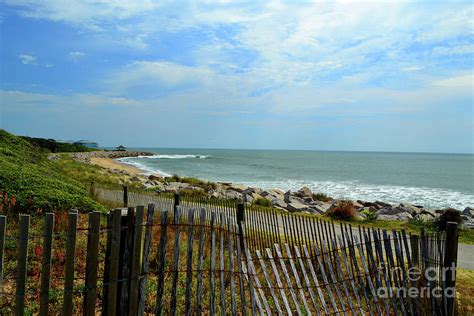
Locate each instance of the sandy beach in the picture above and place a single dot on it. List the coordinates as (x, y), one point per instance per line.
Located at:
(110, 163)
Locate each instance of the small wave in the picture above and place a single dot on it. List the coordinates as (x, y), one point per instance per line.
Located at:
(428, 197)
(175, 156)
(147, 170)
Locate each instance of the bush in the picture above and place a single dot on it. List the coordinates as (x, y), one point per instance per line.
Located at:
(321, 197)
(449, 215)
(35, 182)
(369, 215)
(344, 210)
(260, 201)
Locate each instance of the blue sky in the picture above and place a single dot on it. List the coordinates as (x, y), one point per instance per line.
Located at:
(338, 75)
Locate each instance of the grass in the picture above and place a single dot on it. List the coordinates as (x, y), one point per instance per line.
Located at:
(35, 181)
(465, 291)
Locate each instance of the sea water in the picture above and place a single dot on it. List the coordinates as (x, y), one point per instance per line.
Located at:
(432, 180)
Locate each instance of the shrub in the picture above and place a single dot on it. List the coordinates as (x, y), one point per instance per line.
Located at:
(369, 215)
(321, 197)
(192, 192)
(260, 201)
(449, 215)
(344, 210)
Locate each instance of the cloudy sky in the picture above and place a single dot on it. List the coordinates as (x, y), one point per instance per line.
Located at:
(338, 75)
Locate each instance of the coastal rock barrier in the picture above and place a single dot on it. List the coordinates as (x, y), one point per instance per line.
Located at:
(85, 157)
(304, 200)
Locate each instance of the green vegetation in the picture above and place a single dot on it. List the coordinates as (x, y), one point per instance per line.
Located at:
(54, 146)
(449, 215)
(260, 201)
(321, 197)
(35, 182)
(343, 210)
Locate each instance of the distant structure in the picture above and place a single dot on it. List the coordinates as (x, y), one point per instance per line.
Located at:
(86, 143)
(120, 148)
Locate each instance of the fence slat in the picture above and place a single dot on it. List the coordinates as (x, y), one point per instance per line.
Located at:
(276, 274)
(142, 291)
(306, 279)
(318, 287)
(21, 265)
(212, 281)
(222, 264)
(161, 262)
(135, 266)
(231, 265)
(202, 222)
(269, 282)
(70, 259)
(177, 244)
(46, 263)
(297, 279)
(3, 226)
(287, 279)
(114, 245)
(189, 263)
(253, 272)
(241, 277)
(91, 263)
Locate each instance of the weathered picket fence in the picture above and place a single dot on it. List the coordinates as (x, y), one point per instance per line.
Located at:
(190, 260)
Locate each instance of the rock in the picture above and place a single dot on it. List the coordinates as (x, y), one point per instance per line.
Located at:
(304, 193)
(238, 187)
(287, 196)
(424, 217)
(469, 212)
(297, 207)
(135, 179)
(430, 212)
(154, 178)
(405, 217)
(383, 204)
(410, 208)
(357, 205)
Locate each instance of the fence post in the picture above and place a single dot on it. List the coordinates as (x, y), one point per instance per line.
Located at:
(175, 205)
(415, 253)
(92, 189)
(449, 264)
(125, 196)
(240, 219)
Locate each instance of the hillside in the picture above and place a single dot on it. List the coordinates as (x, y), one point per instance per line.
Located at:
(35, 181)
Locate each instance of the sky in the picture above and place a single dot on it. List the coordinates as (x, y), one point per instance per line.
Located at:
(336, 75)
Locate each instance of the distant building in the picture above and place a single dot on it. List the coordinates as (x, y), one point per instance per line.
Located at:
(120, 148)
(87, 143)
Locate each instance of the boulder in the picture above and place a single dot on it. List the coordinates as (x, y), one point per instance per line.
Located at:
(297, 207)
(153, 177)
(410, 208)
(383, 204)
(405, 217)
(469, 212)
(238, 187)
(424, 217)
(304, 193)
(287, 196)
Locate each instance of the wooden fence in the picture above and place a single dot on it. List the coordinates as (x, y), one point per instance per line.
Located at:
(190, 260)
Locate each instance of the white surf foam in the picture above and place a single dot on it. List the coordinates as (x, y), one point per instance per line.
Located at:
(354, 190)
(175, 156)
(147, 170)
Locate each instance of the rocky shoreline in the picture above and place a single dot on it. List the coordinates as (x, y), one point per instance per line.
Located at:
(303, 200)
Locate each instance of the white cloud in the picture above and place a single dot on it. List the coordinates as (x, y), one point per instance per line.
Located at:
(75, 56)
(40, 101)
(28, 59)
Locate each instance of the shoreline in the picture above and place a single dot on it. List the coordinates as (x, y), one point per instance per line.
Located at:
(302, 200)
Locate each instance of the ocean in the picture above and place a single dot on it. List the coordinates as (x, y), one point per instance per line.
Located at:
(432, 180)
